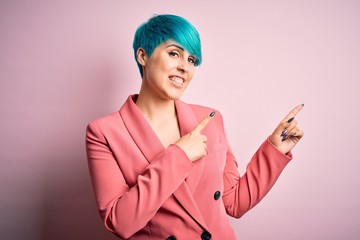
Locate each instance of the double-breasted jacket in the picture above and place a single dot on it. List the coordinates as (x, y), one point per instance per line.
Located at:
(144, 191)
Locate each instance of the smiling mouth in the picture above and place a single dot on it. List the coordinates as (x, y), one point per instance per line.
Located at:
(177, 81)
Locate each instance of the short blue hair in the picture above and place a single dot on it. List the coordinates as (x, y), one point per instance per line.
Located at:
(162, 28)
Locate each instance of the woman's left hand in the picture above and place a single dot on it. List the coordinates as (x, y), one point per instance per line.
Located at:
(287, 134)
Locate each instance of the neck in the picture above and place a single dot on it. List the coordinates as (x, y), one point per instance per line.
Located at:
(155, 108)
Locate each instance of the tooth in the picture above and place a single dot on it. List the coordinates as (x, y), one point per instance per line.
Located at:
(177, 80)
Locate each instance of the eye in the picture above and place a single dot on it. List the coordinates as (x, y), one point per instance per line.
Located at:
(174, 54)
(191, 60)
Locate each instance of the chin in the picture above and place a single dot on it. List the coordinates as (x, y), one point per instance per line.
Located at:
(174, 96)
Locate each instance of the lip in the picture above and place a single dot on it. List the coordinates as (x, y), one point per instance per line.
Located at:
(176, 76)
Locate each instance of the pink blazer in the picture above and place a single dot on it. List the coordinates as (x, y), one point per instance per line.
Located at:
(144, 191)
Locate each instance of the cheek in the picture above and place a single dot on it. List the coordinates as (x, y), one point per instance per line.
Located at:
(170, 65)
(191, 73)
(155, 68)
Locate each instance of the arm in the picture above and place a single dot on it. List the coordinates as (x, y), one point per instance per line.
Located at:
(243, 193)
(126, 210)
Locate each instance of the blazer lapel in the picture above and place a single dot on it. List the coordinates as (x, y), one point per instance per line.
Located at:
(187, 122)
(142, 134)
(184, 194)
(140, 130)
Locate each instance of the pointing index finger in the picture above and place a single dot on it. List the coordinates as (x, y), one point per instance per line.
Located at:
(295, 111)
(202, 124)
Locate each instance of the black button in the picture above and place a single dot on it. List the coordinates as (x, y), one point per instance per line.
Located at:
(171, 238)
(205, 236)
(217, 195)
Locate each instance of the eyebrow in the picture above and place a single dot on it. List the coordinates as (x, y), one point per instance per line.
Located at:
(174, 45)
(181, 48)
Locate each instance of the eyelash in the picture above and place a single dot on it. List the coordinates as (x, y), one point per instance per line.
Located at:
(175, 54)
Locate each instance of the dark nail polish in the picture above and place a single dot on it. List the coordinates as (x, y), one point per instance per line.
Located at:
(212, 114)
(284, 138)
(302, 104)
(291, 119)
(284, 132)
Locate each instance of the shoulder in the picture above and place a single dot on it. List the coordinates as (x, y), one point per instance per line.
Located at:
(106, 122)
(202, 111)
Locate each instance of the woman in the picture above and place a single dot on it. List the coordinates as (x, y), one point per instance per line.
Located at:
(162, 168)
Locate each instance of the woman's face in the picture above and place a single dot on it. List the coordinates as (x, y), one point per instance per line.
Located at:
(168, 71)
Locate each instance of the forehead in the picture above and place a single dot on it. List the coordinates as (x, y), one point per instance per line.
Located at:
(169, 44)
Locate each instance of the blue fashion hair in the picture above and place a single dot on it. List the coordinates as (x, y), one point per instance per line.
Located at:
(162, 28)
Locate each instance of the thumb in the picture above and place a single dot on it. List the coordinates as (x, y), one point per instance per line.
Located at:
(202, 124)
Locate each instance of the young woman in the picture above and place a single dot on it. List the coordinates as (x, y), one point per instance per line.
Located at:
(162, 168)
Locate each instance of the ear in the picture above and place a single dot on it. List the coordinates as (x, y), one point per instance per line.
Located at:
(141, 56)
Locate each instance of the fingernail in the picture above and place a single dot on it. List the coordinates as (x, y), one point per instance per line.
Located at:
(212, 114)
(291, 119)
(284, 132)
(284, 138)
(302, 104)
(293, 134)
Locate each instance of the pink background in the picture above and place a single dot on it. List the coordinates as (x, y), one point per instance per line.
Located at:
(64, 63)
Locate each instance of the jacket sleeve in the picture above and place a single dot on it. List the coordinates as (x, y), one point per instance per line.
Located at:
(126, 210)
(241, 193)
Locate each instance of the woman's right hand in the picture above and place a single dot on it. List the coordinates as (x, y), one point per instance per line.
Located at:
(194, 143)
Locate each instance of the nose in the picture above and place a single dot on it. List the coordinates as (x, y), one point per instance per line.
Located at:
(183, 65)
